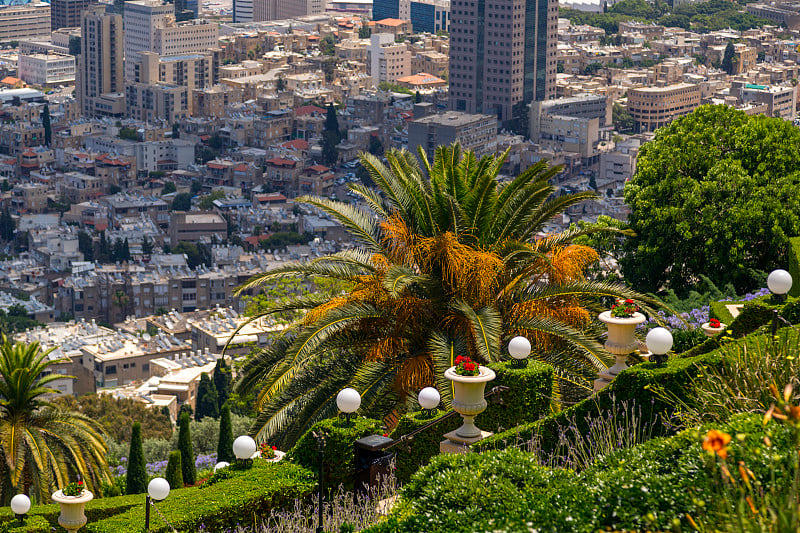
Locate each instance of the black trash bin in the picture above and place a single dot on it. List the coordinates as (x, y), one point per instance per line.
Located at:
(373, 463)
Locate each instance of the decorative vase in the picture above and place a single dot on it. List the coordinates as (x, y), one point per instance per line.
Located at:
(713, 332)
(621, 338)
(468, 398)
(72, 517)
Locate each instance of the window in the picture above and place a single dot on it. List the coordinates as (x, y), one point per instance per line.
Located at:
(111, 369)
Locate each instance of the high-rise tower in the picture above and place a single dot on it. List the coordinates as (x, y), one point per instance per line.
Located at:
(100, 66)
(502, 55)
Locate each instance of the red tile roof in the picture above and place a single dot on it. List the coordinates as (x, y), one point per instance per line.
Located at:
(280, 162)
(390, 22)
(308, 110)
(297, 144)
(318, 168)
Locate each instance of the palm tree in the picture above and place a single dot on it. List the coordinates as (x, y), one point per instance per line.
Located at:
(452, 262)
(42, 448)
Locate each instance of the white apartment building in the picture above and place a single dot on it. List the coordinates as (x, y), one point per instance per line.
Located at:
(150, 26)
(46, 69)
(387, 59)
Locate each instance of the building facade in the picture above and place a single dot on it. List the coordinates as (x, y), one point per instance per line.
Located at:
(26, 21)
(475, 132)
(67, 13)
(100, 65)
(502, 53)
(46, 69)
(654, 107)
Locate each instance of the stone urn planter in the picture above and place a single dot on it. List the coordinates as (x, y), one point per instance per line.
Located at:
(621, 338)
(468, 398)
(72, 517)
(713, 332)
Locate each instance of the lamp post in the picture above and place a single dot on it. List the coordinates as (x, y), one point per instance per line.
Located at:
(348, 401)
(659, 342)
(779, 283)
(20, 505)
(519, 348)
(157, 490)
(429, 399)
(243, 448)
(320, 492)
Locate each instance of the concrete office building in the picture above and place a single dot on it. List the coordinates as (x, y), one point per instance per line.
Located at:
(502, 53)
(156, 102)
(473, 132)
(150, 26)
(654, 107)
(242, 11)
(67, 13)
(574, 124)
(26, 21)
(46, 69)
(100, 65)
(425, 15)
(284, 9)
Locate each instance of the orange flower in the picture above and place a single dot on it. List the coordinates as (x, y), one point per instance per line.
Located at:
(715, 442)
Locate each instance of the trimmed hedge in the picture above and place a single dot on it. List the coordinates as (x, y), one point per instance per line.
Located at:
(95, 510)
(650, 487)
(339, 449)
(794, 265)
(33, 524)
(527, 400)
(245, 498)
(638, 385)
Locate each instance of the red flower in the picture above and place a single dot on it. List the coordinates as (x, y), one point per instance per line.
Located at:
(469, 367)
(385, 435)
(274, 447)
(714, 323)
(628, 301)
(80, 482)
(459, 359)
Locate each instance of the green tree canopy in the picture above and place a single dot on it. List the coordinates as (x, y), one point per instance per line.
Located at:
(728, 58)
(187, 452)
(182, 202)
(715, 194)
(206, 399)
(136, 479)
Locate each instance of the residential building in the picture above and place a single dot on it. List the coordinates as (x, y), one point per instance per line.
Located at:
(150, 26)
(100, 70)
(780, 101)
(154, 102)
(46, 69)
(475, 132)
(67, 13)
(654, 107)
(194, 226)
(387, 59)
(24, 21)
(243, 11)
(435, 63)
(574, 124)
(395, 26)
(502, 53)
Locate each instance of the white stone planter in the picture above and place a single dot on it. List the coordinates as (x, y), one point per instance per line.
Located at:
(621, 338)
(713, 332)
(468, 398)
(72, 517)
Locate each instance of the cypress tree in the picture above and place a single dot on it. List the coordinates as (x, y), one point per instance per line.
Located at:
(187, 453)
(48, 130)
(136, 480)
(206, 399)
(222, 381)
(174, 475)
(225, 445)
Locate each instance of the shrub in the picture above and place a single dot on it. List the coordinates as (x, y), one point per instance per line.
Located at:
(225, 443)
(339, 449)
(243, 499)
(33, 524)
(136, 480)
(174, 474)
(527, 400)
(794, 265)
(649, 487)
(187, 454)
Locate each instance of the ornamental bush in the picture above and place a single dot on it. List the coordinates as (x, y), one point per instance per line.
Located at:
(650, 487)
(174, 475)
(340, 440)
(187, 454)
(225, 443)
(136, 480)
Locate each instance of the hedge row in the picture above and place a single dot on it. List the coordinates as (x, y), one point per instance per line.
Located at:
(245, 498)
(33, 524)
(645, 386)
(96, 509)
(650, 487)
(339, 451)
(794, 265)
(527, 400)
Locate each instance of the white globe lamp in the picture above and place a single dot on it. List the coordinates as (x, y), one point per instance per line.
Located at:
(659, 342)
(519, 348)
(429, 398)
(158, 489)
(779, 282)
(220, 465)
(20, 505)
(348, 401)
(244, 447)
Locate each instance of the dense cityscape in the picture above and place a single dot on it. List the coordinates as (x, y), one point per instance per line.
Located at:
(399, 265)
